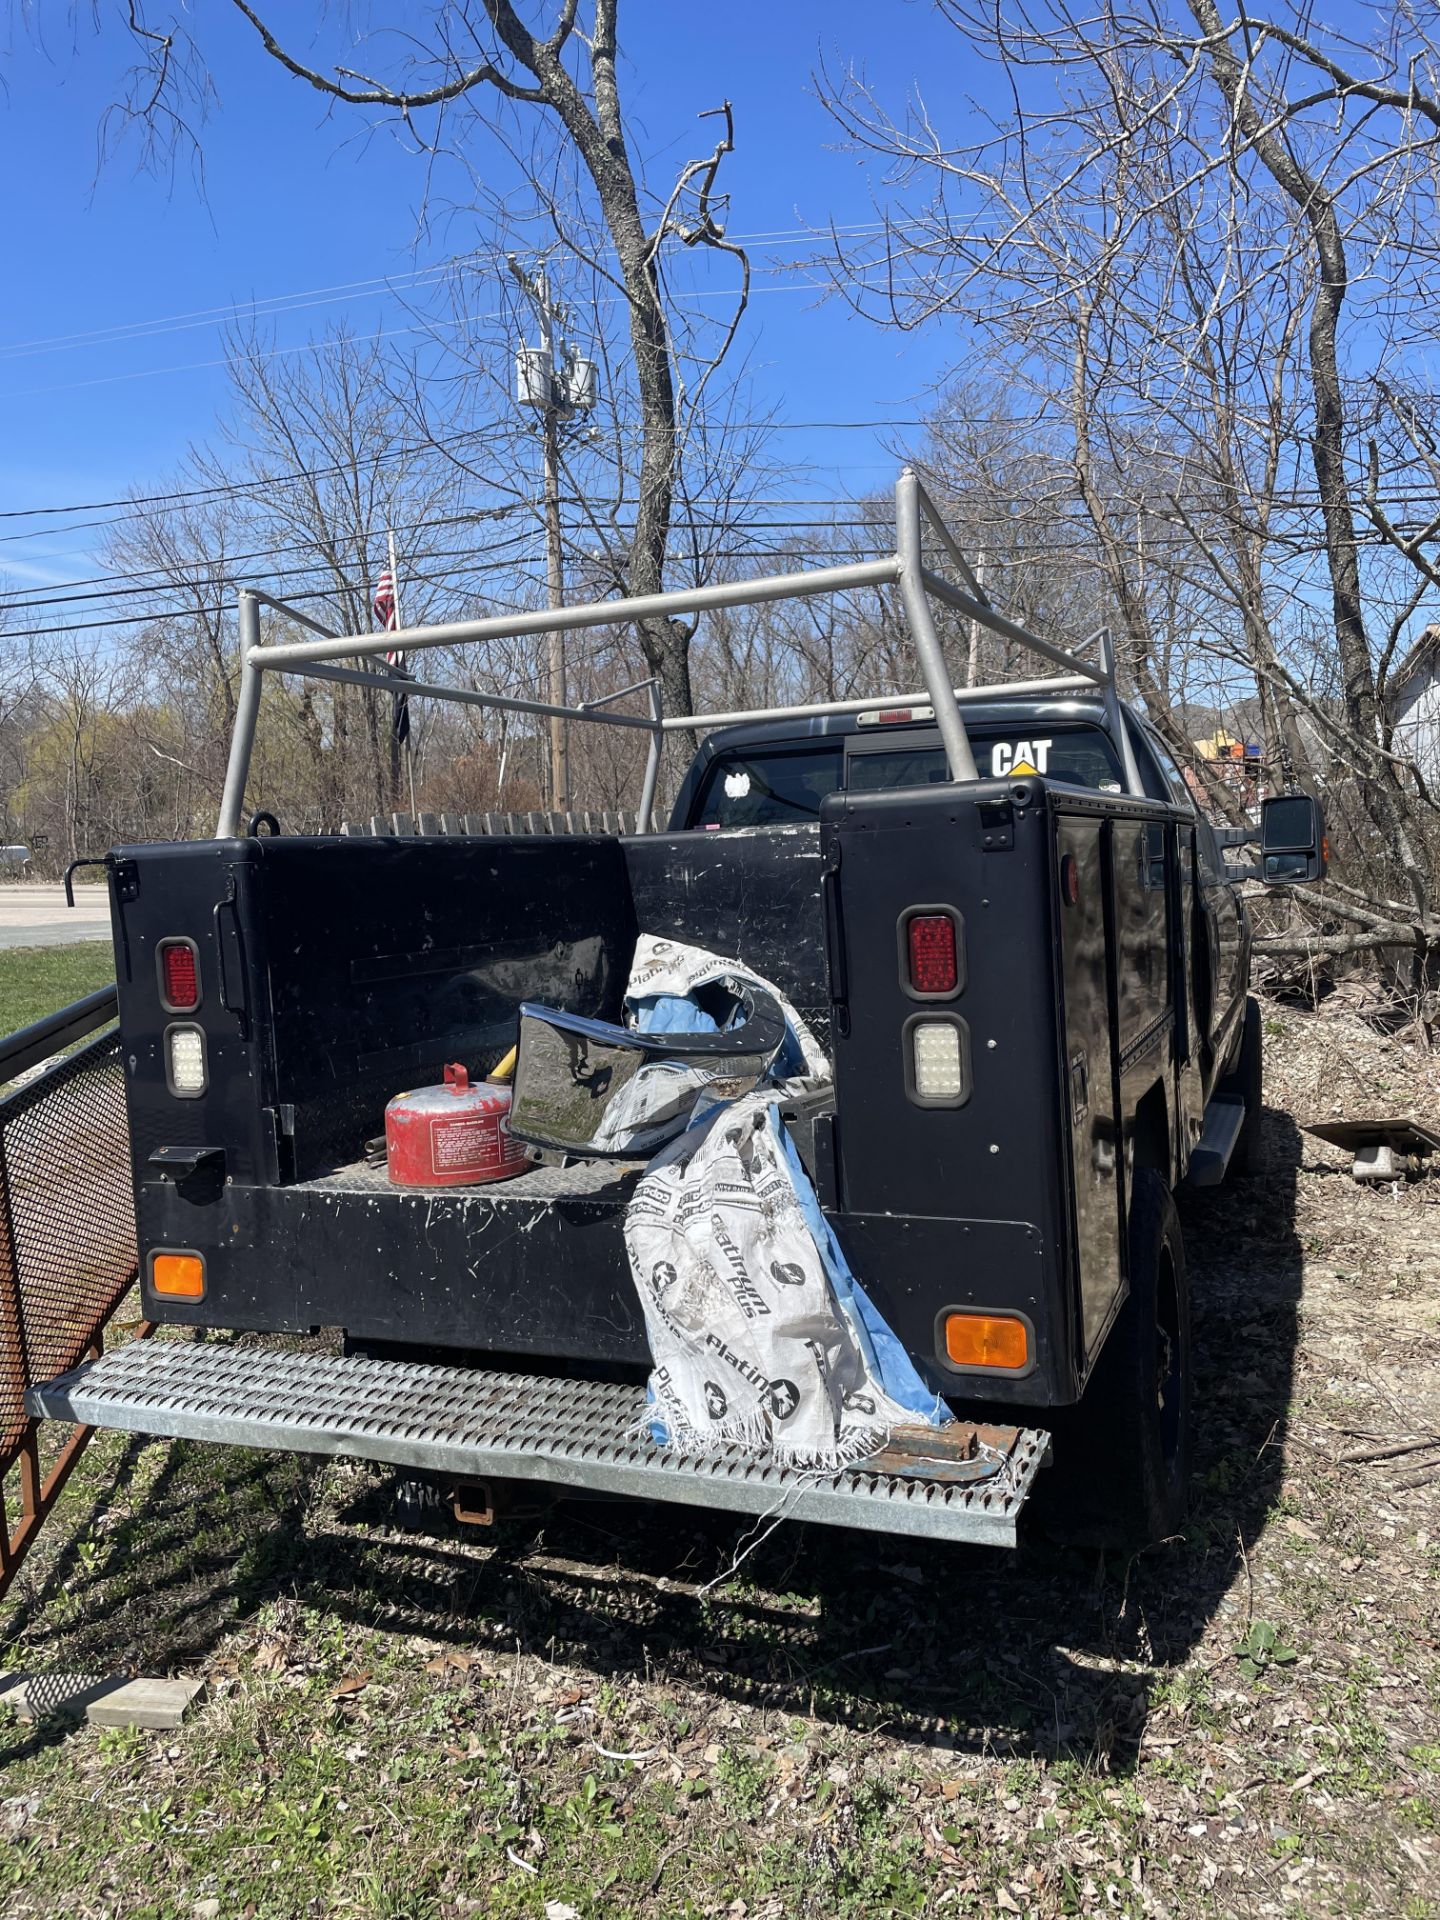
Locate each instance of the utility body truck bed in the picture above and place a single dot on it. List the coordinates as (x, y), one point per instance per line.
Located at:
(1093, 1034)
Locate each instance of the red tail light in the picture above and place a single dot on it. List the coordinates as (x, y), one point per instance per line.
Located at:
(179, 976)
(934, 964)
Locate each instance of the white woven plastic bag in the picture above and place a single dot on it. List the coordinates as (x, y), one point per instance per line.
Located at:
(749, 1344)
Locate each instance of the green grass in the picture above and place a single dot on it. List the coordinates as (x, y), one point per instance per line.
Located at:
(35, 981)
(597, 1715)
(662, 1714)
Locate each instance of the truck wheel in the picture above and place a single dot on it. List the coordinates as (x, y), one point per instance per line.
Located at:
(1122, 1457)
(1247, 1083)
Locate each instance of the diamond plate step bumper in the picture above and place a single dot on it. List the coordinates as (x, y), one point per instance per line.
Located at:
(967, 1483)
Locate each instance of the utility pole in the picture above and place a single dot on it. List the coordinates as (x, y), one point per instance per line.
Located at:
(394, 739)
(558, 384)
(554, 564)
(972, 652)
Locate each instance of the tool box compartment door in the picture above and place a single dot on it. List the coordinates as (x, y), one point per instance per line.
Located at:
(1082, 854)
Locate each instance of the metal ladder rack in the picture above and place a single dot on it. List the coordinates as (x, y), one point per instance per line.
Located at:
(322, 657)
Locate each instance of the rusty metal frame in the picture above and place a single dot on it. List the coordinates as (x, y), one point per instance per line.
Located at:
(44, 1107)
(39, 1490)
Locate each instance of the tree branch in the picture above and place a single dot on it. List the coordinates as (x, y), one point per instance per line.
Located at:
(375, 94)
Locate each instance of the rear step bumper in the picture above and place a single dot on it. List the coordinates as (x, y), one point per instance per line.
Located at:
(964, 1483)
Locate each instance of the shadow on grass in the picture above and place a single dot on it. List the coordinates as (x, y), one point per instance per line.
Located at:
(1006, 1654)
(140, 1571)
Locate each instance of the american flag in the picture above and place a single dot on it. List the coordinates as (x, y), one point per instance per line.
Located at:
(384, 602)
(386, 612)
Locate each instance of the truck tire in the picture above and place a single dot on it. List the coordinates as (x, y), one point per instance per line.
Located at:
(1247, 1083)
(1122, 1457)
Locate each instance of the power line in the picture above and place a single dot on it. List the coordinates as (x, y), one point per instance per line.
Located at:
(239, 486)
(266, 307)
(153, 615)
(298, 299)
(431, 327)
(1079, 552)
(228, 571)
(229, 576)
(236, 489)
(108, 588)
(484, 561)
(243, 487)
(1297, 500)
(55, 591)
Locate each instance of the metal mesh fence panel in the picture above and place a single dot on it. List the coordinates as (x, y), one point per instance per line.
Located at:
(67, 1221)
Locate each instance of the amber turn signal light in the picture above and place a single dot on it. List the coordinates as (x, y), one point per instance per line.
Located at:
(180, 1275)
(987, 1340)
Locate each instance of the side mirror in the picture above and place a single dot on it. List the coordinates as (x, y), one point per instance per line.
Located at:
(1293, 845)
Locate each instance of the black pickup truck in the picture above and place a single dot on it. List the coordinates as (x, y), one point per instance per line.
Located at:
(1010, 1211)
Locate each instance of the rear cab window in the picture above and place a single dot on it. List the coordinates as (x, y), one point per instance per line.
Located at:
(1082, 756)
(767, 786)
(1159, 775)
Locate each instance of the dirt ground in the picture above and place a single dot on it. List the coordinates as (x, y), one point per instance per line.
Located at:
(602, 1712)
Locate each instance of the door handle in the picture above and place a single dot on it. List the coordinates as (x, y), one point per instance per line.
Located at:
(230, 953)
(835, 949)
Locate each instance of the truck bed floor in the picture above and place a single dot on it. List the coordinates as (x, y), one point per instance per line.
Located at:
(585, 1180)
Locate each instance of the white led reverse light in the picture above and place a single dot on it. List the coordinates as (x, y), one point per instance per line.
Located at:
(938, 1061)
(185, 1061)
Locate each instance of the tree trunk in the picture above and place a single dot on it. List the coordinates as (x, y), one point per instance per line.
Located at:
(600, 141)
(1130, 606)
(1380, 789)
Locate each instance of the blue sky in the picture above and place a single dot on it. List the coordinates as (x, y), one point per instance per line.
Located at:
(301, 202)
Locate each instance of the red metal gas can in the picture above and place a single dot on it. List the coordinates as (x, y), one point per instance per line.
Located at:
(451, 1136)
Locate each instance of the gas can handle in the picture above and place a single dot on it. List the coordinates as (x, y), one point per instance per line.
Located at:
(457, 1078)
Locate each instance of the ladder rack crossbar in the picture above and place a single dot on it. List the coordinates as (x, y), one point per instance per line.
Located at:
(322, 656)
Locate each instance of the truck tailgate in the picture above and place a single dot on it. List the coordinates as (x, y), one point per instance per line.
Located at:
(964, 1483)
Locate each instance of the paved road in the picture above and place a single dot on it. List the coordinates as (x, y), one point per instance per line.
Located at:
(33, 914)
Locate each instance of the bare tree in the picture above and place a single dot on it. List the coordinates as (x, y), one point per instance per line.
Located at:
(460, 399)
(996, 482)
(1159, 241)
(333, 472)
(75, 740)
(478, 68)
(311, 470)
(181, 553)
